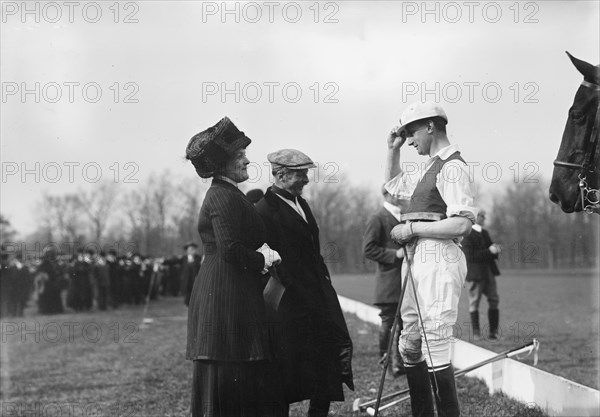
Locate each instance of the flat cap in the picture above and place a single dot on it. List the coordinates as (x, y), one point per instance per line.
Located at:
(421, 110)
(291, 159)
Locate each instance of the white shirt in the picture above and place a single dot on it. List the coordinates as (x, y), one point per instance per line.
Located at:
(453, 182)
(394, 210)
(295, 205)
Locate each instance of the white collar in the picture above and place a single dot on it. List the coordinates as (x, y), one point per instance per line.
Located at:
(477, 227)
(394, 210)
(444, 153)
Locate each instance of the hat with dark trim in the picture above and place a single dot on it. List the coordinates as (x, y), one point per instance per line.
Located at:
(419, 111)
(291, 159)
(210, 149)
(188, 244)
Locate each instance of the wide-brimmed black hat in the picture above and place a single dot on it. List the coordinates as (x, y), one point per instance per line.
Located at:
(210, 149)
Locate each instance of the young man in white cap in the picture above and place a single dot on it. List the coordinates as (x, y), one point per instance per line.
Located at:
(441, 212)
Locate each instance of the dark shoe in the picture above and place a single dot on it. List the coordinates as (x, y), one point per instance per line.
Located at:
(446, 400)
(421, 399)
(475, 324)
(494, 319)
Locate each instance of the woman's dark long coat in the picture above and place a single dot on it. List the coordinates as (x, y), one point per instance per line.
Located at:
(226, 315)
(49, 301)
(311, 340)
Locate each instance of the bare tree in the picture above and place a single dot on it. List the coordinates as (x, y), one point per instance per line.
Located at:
(61, 216)
(97, 204)
(341, 210)
(7, 233)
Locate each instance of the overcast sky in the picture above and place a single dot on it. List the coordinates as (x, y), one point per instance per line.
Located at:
(132, 84)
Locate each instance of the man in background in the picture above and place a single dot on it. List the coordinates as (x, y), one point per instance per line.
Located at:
(379, 247)
(481, 256)
(101, 272)
(190, 265)
(114, 278)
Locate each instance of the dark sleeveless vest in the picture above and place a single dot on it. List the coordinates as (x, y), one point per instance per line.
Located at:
(426, 197)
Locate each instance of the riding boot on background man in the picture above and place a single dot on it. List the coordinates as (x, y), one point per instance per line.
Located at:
(475, 324)
(494, 320)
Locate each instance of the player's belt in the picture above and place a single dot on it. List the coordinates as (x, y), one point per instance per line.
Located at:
(422, 217)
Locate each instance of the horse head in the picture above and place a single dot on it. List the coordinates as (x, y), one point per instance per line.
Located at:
(577, 158)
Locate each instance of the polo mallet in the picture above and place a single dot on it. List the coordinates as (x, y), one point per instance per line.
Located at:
(147, 320)
(390, 343)
(527, 349)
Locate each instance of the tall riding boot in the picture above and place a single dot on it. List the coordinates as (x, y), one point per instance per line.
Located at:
(494, 319)
(475, 324)
(447, 401)
(421, 399)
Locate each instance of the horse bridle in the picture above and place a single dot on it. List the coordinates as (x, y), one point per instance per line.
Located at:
(590, 197)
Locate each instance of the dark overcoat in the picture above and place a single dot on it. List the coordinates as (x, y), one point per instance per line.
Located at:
(378, 246)
(313, 346)
(226, 314)
(49, 300)
(481, 263)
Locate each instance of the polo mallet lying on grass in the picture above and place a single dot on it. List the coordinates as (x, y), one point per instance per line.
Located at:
(527, 349)
(146, 321)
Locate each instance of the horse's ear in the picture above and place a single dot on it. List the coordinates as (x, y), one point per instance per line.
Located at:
(590, 73)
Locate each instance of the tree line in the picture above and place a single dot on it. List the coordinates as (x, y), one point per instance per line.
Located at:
(156, 217)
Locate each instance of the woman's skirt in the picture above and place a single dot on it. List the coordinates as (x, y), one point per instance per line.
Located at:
(235, 389)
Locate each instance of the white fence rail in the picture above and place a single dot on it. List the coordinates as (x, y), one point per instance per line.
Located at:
(556, 395)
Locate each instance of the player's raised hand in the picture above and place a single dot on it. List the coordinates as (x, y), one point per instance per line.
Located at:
(394, 139)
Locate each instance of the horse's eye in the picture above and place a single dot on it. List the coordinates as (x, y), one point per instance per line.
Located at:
(576, 114)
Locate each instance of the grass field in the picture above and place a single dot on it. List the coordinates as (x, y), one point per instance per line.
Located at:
(109, 364)
(559, 309)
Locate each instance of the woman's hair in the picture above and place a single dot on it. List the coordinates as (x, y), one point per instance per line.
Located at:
(206, 159)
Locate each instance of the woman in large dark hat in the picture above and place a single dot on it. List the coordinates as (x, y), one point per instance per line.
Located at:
(227, 332)
(48, 279)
